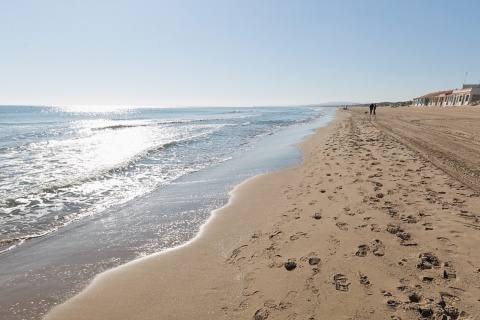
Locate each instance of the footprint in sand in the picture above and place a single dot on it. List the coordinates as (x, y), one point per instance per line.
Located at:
(448, 302)
(415, 297)
(428, 279)
(366, 284)
(244, 304)
(406, 239)
(261, 314)
(428, 261)
(341, 282)
(410, 219)
(348, 211)
(342, 226)
(446, 241)
(297, 236)
(275, 235)
(233, 257)
(249, 279)
(449, 271)
(288, 300)
(362, 250)
(394, 229)
(404, 236)
(312, 259)
(428, 226)
(256, 235)
(270, 304)
(378, 248)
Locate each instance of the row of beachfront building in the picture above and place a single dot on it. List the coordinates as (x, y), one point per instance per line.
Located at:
(468, 95)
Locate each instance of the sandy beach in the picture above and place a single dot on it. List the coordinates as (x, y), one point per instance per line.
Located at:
(381, 220)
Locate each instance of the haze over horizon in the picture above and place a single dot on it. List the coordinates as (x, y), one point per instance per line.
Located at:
(226, 53)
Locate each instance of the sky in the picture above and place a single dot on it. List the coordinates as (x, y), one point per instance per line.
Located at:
(234, 53)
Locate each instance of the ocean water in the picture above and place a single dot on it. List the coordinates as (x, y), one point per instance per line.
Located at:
(62, 164)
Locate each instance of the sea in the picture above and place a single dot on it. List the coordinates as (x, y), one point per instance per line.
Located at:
(85, 189)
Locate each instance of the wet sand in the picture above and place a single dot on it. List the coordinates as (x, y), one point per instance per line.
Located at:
(380, 221)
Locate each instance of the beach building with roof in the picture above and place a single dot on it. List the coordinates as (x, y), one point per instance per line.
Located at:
(438, 98)
(469, 94)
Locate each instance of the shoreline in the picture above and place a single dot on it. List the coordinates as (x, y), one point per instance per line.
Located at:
(363, 228)
(221, 219)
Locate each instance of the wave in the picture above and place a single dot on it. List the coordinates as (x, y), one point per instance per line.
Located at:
(120, 126)
(172, 122)
(9, 244)
(99, 174)
(112, 170)
(14, 154)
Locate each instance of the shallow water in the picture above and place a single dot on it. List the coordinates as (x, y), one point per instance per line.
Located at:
(58, 165)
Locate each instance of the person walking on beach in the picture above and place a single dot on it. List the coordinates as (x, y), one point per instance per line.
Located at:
(371, 108)
(374, 109)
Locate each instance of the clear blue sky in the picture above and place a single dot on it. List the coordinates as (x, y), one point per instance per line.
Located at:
(234, 53)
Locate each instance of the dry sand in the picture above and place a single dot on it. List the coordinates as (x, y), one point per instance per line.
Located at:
(380, 221)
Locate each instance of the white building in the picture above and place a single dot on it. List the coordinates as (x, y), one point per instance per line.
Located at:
(468, 95)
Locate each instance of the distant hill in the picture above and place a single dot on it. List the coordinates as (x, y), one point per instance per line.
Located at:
(333, 104)
(336, 104)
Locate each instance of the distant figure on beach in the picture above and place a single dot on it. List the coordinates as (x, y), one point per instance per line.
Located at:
(374, 109)
(371, 108)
